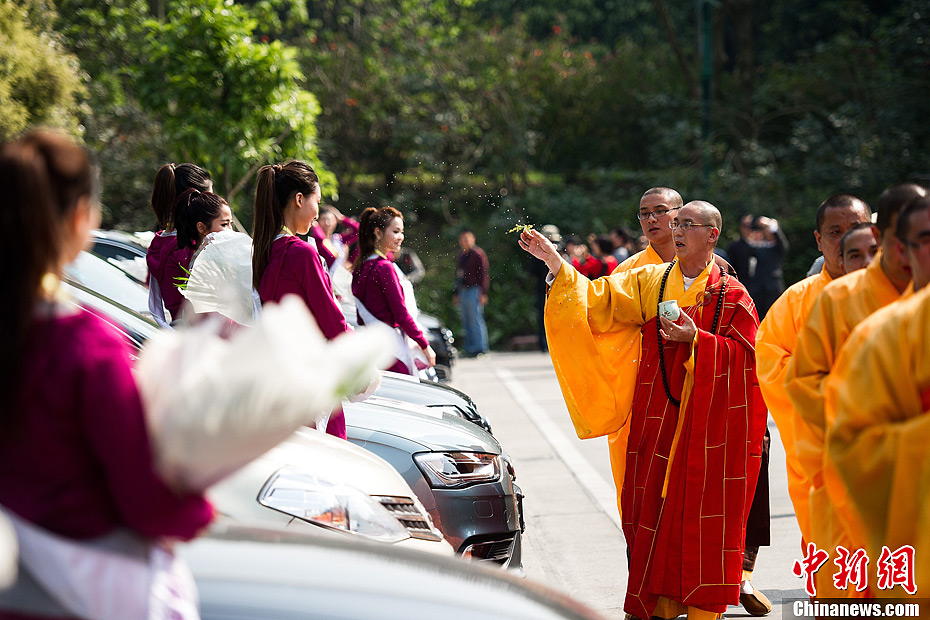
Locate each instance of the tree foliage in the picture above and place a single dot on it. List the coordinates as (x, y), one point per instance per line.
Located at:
(225, 99)
(40, 83)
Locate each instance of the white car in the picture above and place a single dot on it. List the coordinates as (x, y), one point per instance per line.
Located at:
(314, 482)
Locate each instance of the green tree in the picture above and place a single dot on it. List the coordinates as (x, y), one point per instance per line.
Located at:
(226, 100)
(40, 83)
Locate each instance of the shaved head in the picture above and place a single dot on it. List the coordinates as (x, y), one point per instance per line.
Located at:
(671, 196)
(708, 213)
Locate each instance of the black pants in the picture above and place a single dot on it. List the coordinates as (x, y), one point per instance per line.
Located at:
(758, 523)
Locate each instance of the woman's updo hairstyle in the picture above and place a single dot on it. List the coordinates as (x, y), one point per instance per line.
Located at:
(43, 175)
(370, 220)
(277, 184)
(192, 207)
(170, 182)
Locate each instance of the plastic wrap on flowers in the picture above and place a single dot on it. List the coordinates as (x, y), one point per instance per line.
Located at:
(213, 405)
(221, 277)
(8, 553)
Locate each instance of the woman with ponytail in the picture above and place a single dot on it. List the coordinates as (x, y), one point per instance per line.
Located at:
(287, 200)
(166, 260)
(75, 457)
(198, 214)
(379, 296)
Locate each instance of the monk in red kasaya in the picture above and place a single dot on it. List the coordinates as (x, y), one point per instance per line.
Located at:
(695, 412)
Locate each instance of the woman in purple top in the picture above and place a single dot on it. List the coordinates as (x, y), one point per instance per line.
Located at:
(198, 214)
(287, 200)
(333, 246)
(376, 284)
(165, 259)
(75, 456)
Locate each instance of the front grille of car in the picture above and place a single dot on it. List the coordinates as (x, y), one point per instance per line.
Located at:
(498, 550)
(405, 510)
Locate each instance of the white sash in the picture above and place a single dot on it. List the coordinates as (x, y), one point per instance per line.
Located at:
(117, 577)
(402, 343)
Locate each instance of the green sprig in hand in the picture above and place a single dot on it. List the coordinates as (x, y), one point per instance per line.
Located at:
(520, 228)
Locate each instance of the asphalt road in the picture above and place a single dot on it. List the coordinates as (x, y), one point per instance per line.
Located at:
(573, 541)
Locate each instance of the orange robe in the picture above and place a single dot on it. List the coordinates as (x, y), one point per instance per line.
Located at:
(775, 343)
(690, 470)
(843, 304)
(616, 442)
(877, 444)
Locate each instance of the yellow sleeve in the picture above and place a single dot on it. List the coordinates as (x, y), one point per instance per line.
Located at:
(593, 329)
(814, 354)
(878, 442)
(775, 343)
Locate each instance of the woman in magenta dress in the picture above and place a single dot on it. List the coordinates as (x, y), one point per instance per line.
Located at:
(198, 214)
(75, 456)
(287, 200)
(165, 259)
(377, 288)
(334, 247)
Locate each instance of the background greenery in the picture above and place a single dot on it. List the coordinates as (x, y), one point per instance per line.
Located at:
(485, 113)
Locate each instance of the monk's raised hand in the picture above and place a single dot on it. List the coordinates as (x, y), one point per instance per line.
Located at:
(535, 243)
(682, 330)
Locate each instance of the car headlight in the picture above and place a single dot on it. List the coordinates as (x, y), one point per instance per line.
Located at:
(321, 502)
(451, 470)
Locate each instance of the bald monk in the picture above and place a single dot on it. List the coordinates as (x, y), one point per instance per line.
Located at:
(657, 207)
(859, 246)
(877, 405)
(777, 335)
(841, 306)
(695, 414)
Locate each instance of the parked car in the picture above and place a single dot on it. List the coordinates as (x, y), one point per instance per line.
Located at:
(440, 338)
(248, 573)
(244, 574)
(96, 275)
(439, 395)
(314, 481)
(457, 470)
(124, 250)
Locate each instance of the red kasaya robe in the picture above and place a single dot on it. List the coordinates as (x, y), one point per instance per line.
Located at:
(691, 470)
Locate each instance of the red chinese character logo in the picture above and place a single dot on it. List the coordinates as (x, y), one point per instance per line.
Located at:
(852, 569)
(897, 569)
(811, 563)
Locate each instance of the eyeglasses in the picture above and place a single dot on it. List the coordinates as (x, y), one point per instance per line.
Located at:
(687, 225)
(645, 215)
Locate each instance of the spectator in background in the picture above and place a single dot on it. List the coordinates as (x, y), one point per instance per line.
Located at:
(740, 253)
(620, 239)
(472, 279)
(571, 248)
(858, 247)
(769, 246)
(602, 248)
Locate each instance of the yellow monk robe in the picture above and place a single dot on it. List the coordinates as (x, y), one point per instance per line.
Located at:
(616, 442)
(775, 343)
(692, 465)
(877, 443)
(843, 304)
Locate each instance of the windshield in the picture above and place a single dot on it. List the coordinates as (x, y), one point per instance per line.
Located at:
(108, 281)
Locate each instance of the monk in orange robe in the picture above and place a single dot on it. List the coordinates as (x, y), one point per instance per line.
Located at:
(841, 306)
(695, 414)
(877, 413)
(777, 336)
